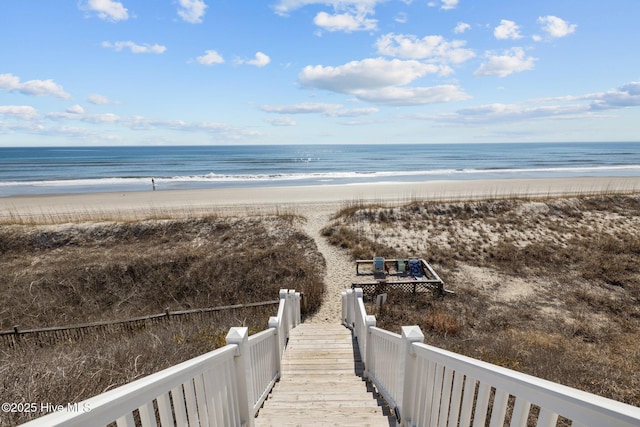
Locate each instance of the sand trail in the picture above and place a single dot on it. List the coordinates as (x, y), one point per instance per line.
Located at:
(339, 271)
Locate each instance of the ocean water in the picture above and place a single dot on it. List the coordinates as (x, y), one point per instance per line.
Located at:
(54, 170)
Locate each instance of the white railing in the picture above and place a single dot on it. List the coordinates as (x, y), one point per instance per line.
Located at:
(428, 386)
(385, 371)
(225, 387)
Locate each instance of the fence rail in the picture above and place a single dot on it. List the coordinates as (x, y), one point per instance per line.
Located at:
(225, 387)
(428, 386)
(54, 334)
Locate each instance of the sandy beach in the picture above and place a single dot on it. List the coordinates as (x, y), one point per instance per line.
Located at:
(296, 198)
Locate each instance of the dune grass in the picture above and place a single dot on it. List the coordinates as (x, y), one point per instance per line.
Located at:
(547, 286)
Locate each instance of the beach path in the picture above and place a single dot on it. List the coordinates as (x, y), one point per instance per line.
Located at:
(339, 271)
(321, 383)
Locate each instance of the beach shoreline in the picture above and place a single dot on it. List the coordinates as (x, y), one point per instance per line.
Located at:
(295, 197)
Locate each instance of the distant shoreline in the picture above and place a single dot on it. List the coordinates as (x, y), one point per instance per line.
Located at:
(52, 171)
(291, 197)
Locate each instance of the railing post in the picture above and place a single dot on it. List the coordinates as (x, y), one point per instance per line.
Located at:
(410, 335)
(357, 295)
(291, 301)
(360, 322)
(296, 307)
(244, 374)
(289, 309)
(368, 355)
(285, 314)
(273, 323)
(349, 309)
(343, 296)
(16, 333)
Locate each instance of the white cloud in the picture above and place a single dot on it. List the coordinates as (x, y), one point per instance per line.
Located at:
(102, 118)
(395, 95)
(402, 18)
(192, 11)
(107, 10)
(36, 128)
(331, 110)
(140, 123)
(355, 112)
(134, 47)
(366, 74)
(556, 27)
(507, 30)
(12, 83)
(28, 121)
(75, 109)
(70, 114)
(511, 61)
(220, 129)
(461, 27)
(625, 96)
(449, 4)
(99, 99)
(260, 60)
(346, 22)
(347, 16)
(23, 112)
(281, 121)
(145, 123)
(304, 108)
(510, 112)
(445, 4)
(377, 80)
(283, 7)
(210, 57)
(429, 47)
(566, 107)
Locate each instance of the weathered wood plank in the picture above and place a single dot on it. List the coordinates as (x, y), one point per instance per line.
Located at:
(319, 385)
(322, 403)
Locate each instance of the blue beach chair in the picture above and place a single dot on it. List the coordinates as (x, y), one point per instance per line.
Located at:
(378, 268)
(415, 268)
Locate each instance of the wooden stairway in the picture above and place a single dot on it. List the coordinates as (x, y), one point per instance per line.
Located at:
(321, 383)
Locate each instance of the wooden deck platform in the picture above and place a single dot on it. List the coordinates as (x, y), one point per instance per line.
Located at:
(322, 384)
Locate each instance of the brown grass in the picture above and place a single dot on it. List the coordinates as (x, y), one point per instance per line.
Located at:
(86, 272)
(550, 287)
(80, 272)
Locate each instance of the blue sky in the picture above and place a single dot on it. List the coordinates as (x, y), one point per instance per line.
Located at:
(172, 72)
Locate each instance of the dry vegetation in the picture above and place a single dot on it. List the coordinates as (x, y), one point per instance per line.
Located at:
(550, 287)
(80, 272)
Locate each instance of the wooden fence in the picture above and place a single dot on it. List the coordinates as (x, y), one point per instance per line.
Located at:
(56, 334)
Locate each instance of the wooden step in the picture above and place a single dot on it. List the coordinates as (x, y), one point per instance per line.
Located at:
(319, 385)
(323, 415)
